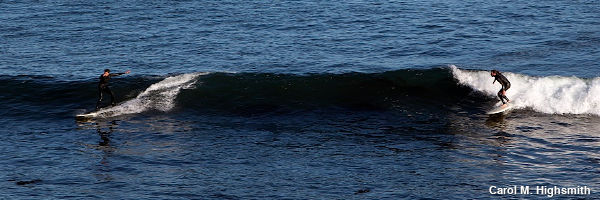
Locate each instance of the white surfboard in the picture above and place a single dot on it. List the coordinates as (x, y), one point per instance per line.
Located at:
(95, 114)
(87, 115)
(499, 109)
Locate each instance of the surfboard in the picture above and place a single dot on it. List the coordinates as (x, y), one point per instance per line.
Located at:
(87, 115)
(96, 113)
(499, 109)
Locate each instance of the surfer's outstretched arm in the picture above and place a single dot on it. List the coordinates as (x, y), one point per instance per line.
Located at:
(118, 74)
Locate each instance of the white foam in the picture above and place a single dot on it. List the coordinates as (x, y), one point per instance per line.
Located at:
(553, 94)
(160, 96)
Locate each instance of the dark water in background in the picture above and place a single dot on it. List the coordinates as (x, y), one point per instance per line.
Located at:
(305, 100)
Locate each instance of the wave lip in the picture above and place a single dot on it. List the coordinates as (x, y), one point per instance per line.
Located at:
(552, 94)
(160, 96)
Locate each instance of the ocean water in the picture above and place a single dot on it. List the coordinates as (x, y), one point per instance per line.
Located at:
(298, 99)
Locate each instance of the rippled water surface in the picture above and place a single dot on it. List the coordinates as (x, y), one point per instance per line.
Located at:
(298, 100)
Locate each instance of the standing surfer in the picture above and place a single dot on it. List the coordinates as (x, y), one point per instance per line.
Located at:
(505, 85)
(103, 86)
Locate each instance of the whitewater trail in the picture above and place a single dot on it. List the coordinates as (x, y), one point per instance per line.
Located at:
(552, 95)
(159, 96)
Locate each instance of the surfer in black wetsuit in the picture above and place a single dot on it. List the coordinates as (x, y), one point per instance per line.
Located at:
(505, 85)
(103, 86)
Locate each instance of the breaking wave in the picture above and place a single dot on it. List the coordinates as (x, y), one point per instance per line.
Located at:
(552, 94)
(159, 96)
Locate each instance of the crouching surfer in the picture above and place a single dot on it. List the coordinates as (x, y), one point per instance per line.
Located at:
(505, 86)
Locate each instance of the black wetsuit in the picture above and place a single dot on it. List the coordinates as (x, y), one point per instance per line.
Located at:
(103, 87)
(505, 85)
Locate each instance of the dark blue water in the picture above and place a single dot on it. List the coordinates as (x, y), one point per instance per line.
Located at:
(298, 100)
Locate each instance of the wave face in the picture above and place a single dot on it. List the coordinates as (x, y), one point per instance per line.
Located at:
(552, 95)
(238, 92)
(436, 91)
(258, 92)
